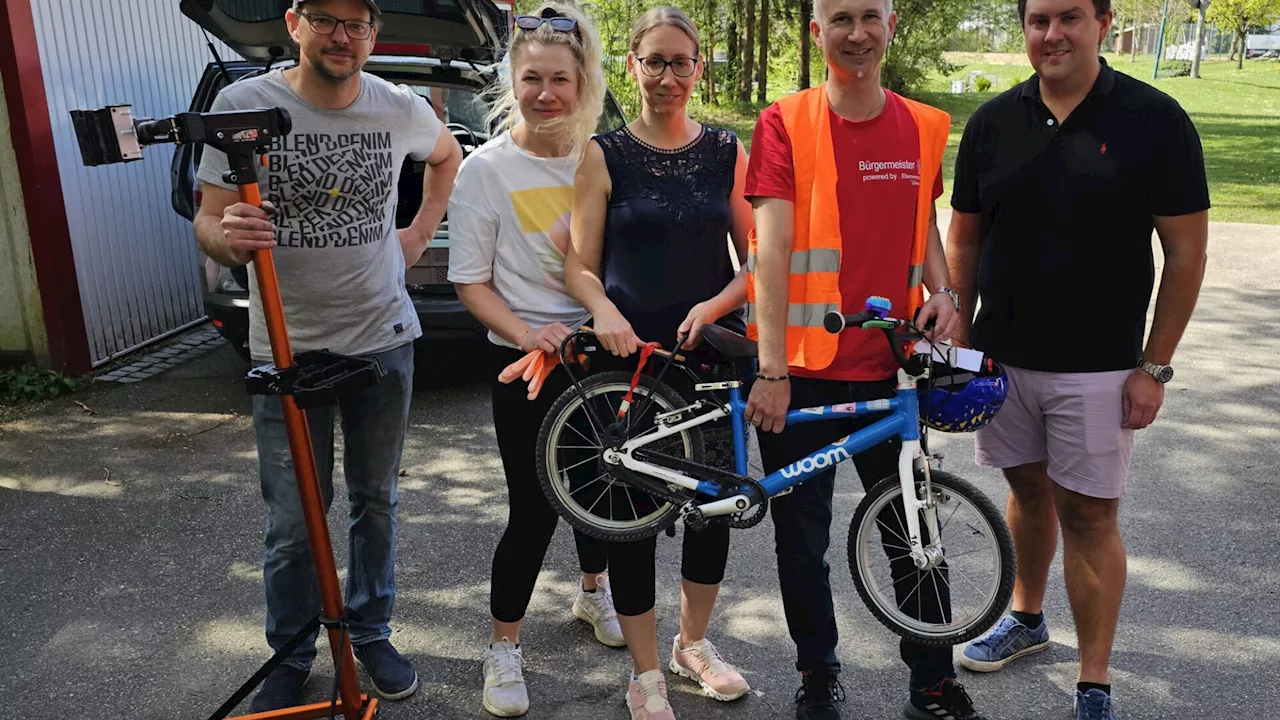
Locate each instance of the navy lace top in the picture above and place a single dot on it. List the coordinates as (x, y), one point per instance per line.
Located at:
(667, 229)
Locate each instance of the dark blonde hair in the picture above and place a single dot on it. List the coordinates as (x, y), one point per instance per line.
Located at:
(664, 15)
(584, 42)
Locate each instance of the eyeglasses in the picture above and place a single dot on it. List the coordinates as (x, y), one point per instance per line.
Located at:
(325, 25)
(558, 22)
(655, 66)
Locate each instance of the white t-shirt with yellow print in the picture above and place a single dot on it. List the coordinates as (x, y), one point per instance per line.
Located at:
(509, 224)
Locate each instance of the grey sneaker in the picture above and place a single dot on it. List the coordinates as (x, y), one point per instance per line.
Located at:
(1007, 642)
(505, 694)
(596, 609)
(1094, 705)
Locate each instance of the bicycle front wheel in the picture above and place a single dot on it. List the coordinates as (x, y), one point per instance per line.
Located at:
(963, 595)
(587, 492)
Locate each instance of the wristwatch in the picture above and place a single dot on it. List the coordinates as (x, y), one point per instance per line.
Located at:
(955, 297)
(1162, 373)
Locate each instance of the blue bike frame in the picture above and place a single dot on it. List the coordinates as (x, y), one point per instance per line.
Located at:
(901, 420)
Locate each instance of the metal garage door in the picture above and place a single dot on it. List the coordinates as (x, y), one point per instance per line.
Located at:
(137, 263)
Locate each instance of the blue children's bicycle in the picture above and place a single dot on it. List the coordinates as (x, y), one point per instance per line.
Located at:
(621, 457)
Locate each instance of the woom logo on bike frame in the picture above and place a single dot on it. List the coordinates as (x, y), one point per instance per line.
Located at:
(817, 462)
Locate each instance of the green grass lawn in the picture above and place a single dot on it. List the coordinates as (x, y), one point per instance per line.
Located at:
(1237, 113)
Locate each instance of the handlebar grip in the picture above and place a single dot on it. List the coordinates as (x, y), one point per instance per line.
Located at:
(835, 322)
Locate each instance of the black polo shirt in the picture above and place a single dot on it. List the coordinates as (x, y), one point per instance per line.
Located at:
(1066, 266)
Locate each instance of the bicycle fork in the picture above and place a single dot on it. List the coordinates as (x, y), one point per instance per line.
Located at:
(925, 557)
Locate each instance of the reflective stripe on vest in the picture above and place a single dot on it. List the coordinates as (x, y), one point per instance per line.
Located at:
(813, 284)
(818, 260)
(801, 314)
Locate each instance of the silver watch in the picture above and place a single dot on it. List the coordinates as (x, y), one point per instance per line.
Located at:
(955, 297)
(1162, 373)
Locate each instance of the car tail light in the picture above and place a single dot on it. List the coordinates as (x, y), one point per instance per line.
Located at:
(431, 269)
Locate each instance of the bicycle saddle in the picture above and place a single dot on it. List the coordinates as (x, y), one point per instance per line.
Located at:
(727, 342)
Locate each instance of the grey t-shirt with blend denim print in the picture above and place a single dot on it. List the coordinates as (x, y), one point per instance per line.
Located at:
(333, 180)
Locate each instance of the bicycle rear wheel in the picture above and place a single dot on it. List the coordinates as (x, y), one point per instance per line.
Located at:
(960, 598)
(590, 495)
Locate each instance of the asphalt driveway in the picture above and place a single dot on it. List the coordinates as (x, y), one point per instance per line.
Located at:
(131, 534)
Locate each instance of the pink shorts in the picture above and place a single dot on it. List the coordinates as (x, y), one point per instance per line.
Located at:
(1070, 419)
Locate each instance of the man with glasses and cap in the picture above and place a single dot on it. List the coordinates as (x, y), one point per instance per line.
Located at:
(331, 186)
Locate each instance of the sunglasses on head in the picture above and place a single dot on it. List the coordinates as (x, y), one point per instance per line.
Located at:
(557, 22)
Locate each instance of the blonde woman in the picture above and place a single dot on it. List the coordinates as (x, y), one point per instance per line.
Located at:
(654, 205)
(509, 230)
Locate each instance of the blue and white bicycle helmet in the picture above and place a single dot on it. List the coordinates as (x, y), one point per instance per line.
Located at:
(958, 400)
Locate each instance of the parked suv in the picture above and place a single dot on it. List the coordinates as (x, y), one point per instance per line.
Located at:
(445, 52)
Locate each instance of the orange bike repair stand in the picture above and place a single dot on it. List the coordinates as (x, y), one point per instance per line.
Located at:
(312, 379)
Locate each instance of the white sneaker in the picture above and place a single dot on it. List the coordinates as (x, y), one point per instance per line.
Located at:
(505, 694)
(596, 609)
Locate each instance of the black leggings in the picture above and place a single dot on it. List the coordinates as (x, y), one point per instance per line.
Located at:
(704, 554)
(531, 521)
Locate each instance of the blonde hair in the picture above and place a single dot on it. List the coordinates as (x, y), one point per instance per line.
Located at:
(584, 43)
(664, 15)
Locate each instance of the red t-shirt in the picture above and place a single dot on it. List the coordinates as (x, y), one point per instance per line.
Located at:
(877, 180)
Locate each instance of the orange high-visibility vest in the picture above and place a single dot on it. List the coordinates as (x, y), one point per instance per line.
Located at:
(816, 244)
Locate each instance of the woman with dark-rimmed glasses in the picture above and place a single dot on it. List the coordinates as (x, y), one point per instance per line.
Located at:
(655, 205)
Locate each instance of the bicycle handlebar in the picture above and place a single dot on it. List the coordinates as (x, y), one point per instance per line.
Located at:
(835, 323)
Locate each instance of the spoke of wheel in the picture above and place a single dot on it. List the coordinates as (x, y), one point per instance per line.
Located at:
(601, 497)
(582, 434)
(953, 514)
(635, 515)
(965, 577)
(580, 462)
(584, 487)
(966, 552)
(889, 530)
(580, 447)
(938, 595)
(917, 587)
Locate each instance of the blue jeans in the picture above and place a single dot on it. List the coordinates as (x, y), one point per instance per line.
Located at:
(373, 430)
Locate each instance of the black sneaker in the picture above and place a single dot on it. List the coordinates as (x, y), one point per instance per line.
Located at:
(945, 701)
(816, 698)
(393, 676)
(282, 689)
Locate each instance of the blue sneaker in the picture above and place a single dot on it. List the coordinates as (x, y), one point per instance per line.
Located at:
(393, 676)
(1093, 705)
(1005, 643)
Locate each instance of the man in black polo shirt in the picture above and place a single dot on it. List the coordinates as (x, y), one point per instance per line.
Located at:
(1059, 183)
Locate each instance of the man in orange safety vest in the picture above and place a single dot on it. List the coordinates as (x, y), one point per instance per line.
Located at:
(843, 178)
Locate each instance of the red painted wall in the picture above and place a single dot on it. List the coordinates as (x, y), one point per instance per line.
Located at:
(42, 188)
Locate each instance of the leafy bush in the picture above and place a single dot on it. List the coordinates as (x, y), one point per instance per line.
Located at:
(982, 84)
(29, 385)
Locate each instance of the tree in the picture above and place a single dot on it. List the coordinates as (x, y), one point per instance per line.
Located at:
(748, 55)
(1238, 16)
(806, 39)
(762, 64)
(1202, 6)
(924, 27)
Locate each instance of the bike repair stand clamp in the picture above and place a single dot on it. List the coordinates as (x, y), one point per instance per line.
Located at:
(311, 379)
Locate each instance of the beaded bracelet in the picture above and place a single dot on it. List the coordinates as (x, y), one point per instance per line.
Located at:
(772, 378)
